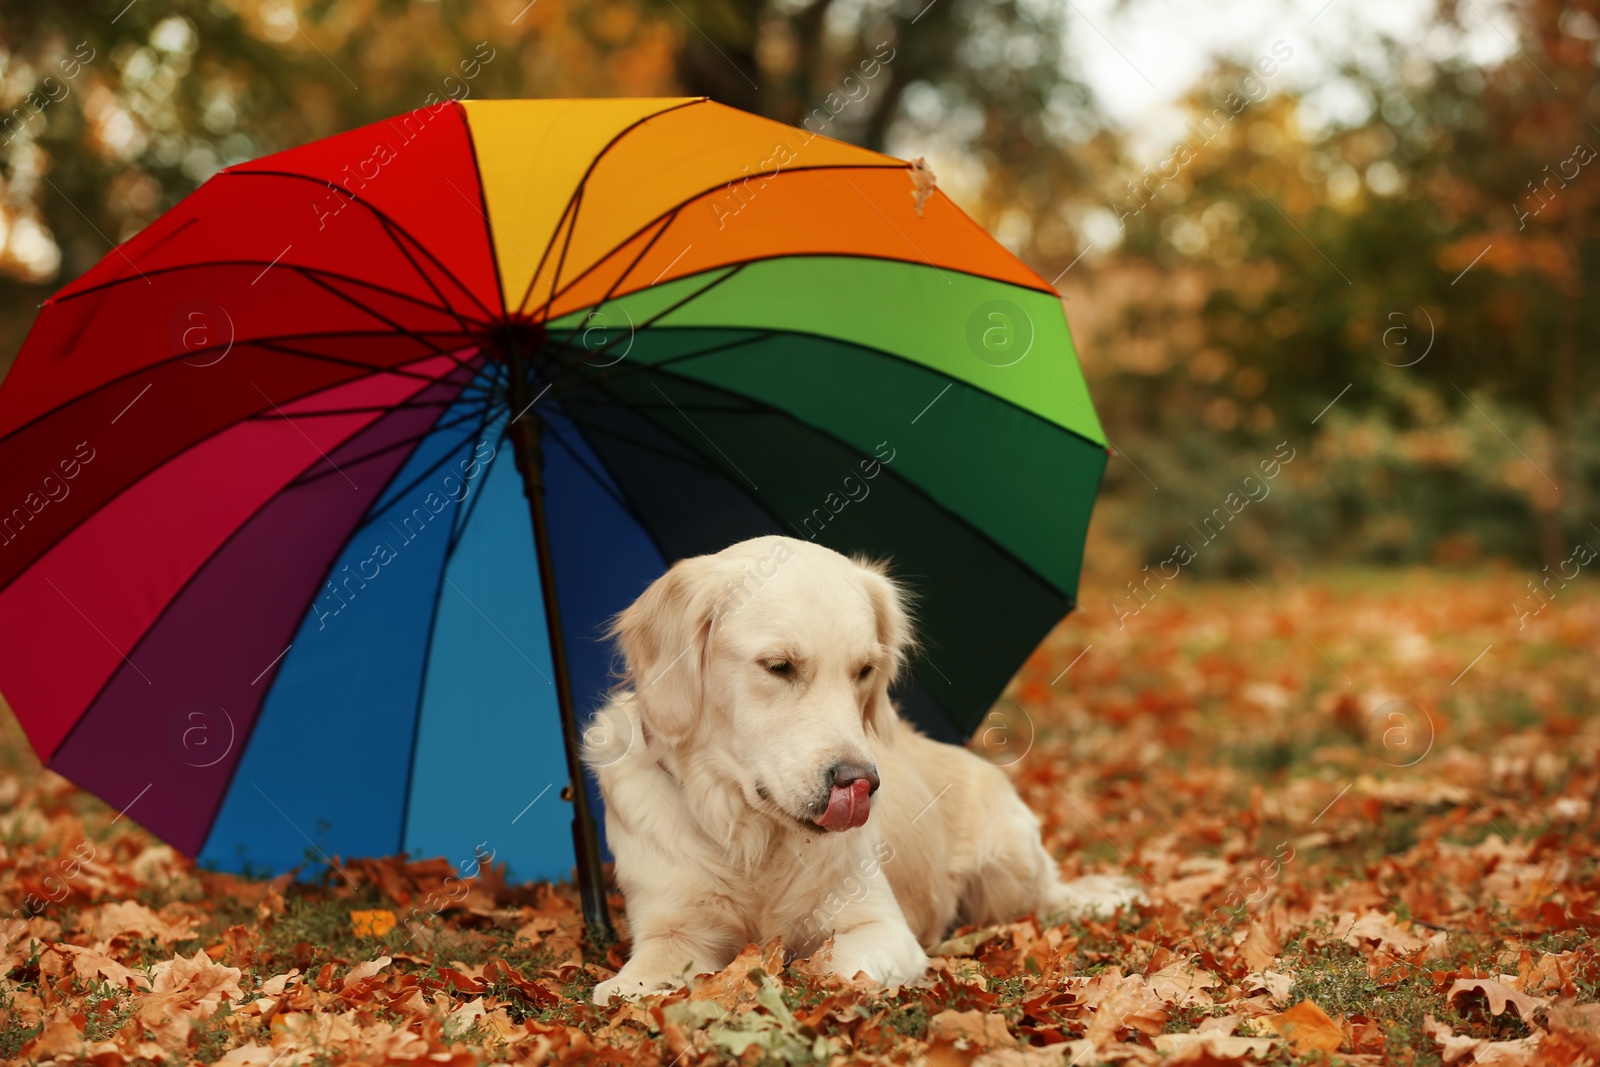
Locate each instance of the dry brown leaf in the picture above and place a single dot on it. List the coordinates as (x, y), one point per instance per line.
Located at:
(129, 918)
(465, 1014)
(923, 182)
(1455, 1048)
(1211, 1048)
(1500, 995)
(1375, 931)
(1261, 944)
(1030, 1056)
(534, 929)
(734, 983)
(362, 976)
(1579, 1024)
(88, 964)
(182, 990)
(1183, 984)
(1307, 1028)
(1275, 984)
(1549, 973)
(1218, 1024)
(1129, 1005)
(977, 1028)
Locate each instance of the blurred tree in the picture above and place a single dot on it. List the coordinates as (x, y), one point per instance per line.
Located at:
(1265, 269)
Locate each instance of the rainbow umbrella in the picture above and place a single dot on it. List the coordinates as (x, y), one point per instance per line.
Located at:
(319, 491)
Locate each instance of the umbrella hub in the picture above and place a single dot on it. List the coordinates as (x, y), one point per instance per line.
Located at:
(522, 347)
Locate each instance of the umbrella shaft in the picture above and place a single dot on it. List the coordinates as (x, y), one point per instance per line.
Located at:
(524, 432)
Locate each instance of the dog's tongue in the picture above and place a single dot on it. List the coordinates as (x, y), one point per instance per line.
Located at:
(848, 806)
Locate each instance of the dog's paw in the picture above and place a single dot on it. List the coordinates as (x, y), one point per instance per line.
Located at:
(887, 953)
(627, 987)
(1095, 895)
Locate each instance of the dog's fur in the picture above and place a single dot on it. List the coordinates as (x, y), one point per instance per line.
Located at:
(727, 764)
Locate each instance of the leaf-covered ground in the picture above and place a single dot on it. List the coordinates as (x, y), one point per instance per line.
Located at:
(1364, 839)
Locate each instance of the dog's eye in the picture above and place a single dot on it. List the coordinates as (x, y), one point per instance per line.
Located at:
(861, 675)
(781, 667)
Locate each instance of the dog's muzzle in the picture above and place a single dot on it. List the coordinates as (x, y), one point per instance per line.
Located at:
(849, 797)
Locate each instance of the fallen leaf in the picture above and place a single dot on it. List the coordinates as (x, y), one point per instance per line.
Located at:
(1276, 985)
(1307, 1028)
(922, 182)
(1500, 996)
(1261, 944)
(130, 918)
(1577, 1023)
(1375, 931)
(374, 923)
(1182, 984)
(967, 943)
(977, 1028)
(739, 980)
(1211, 1048)
(1129, 1005)
(1455, 1048)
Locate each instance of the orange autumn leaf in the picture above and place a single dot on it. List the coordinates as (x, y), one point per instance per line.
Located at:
(373, 923)
(1308, 1028)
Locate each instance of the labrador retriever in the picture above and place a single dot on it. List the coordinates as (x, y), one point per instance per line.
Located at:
(759, 783)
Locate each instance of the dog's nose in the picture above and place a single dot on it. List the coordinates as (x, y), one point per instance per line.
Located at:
(845, 773)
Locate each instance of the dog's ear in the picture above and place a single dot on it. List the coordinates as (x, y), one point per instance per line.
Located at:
(895, 635)
(663, 636)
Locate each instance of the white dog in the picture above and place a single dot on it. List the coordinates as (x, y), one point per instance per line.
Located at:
(759, 783)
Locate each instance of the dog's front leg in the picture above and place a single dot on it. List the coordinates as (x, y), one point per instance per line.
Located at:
(871, 937)
(670, 946)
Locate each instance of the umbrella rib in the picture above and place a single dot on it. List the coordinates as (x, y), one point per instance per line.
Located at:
(266, 416)
(605, 486)
(566, 246)
(612, 291)
(577, 193)
(377, 212)
(160, 462)
(657, 317)
(156, 272)
(482, 208)
(317, 473)
(299, 621)
(883, 353)
(271, 343)
(953, 515)
(427, 652)
(176, 596)
(686, 201)
(320, 357)
(423, 274)
(695, 461)
(638, 517)
(371, 514)
(460, 527)
(395, 327)
(760, 336)
(644, 523)
(606, 401)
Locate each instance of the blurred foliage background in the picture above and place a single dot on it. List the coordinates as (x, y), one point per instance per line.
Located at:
(1424, 270)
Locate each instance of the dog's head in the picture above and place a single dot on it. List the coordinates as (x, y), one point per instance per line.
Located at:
(766, 664)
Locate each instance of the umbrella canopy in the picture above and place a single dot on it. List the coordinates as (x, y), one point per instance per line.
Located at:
(270, 579)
